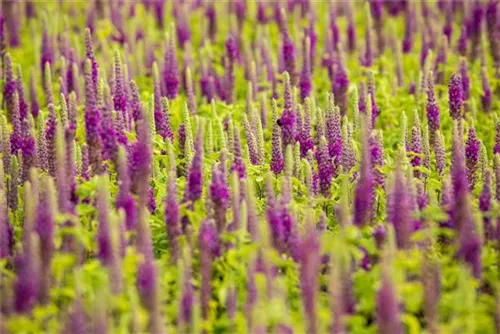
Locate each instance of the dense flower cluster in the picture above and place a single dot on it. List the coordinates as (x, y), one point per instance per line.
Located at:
(290, 166)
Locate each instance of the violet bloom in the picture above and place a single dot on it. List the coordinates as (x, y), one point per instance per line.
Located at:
(333, 133)
(487, 94)
(472, 157)
(170, 69)
(367, 58)
(485, 201)
(462, 42)
(309, 273)
(432, 108)
(288, 117)
(305, 137)
(89, 54)
(365, 187)
(6, 230)
(325, 168)
(377, 156)
(305, 76)
(92, 122)
(171, 213)
(440, 153)
(219, 194)
(288, 53)
(16, 137)
(492, 23)
(26, 284)
(28, 150)
(119, 92)
(277, 162)
(9, 88)
(340, 85)
(108, 136)
(194, 185)
(475, 28)
(208, 243)
(147, 286)
(140, 162)
(388, 318)
(229, 78)
(399, 209)
(456, 96)
(416, 144)
(46, 53)
(35, 106)
(464, 74)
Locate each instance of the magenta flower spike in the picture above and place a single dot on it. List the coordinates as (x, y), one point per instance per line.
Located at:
(288, 116)
(140, 162)
(219, 194)
(463, 41)
(492, 21)
(464, 74)
(89, 54)
(310, 260)
(377, 157)
(416, 144)
(367, 58)
(277, 161)
(472, 147)
(365, 186)
(455, 96)
(35, 106)
(333, 133)
(305, 76)
(92, 123)
(432, 108)
(288, 54)
(6, 229)
(147, 285)
(388, 318)
(485, 205)
(170, 68)
(46, 53)
(194, 185)
(486, 98)
(120, 93)
(325, 168)
(399, 209)
(208, 243)
(475, 28)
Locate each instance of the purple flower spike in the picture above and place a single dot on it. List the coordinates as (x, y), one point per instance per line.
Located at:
(195, 174)
(120, 93)
(485, 201)
(172, 220)
(277, 162)
(89, 54)
(170, 69)
(92, 122)
(475, 28)
(367, 59)
(487, 94)
(432, 108)
(16, 137)
(388, 318)
(288, 117)
(6, 230)
(463, 41)
(208, 243)
(47, 53)
(416, 144)
(309, 273)
(340, 85)
(365, 186)
(377, 156)
(9, 88)
(464, 74)
(288, 54)
(35, 106)
(140, 162)
(399, 209)
(325, 168)
(305, 76)
(219, 194)
(472, 157)
(456, 96)
(492, 22)
(147, 286)
(333, 133)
